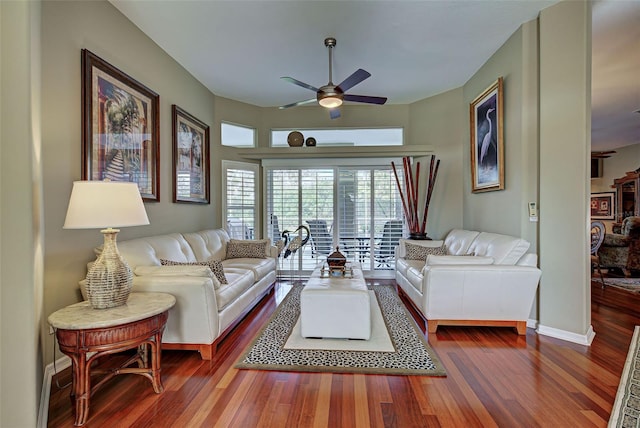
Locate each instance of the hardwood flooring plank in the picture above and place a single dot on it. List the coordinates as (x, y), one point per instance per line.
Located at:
(361, 403)
(494, 378)
(323, 402)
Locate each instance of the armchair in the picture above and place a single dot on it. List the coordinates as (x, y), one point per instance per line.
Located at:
(622, 250)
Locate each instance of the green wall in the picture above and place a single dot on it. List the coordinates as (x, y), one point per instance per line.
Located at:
(68, 27)
(21, 367)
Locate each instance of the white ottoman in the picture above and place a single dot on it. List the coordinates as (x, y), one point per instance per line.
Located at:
(335, 307)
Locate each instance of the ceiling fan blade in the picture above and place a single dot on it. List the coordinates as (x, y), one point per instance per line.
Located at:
(358, 76)
(299, 103)
(299, 83)
(365, 99)
(334, 113)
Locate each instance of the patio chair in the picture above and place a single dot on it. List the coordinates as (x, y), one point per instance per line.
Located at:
(384, 252)
(321, 239)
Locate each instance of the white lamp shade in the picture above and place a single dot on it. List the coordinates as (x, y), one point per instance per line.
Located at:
(102, 204)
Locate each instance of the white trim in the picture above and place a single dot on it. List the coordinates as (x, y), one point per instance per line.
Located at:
(580, 339)
(43, 412)
(330, 162)
(531, 323)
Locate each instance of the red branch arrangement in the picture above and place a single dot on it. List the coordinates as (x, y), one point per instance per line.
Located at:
(409, 193)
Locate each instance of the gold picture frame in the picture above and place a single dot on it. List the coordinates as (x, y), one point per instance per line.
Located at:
(190, 158)
(487, 145)
(120, 127)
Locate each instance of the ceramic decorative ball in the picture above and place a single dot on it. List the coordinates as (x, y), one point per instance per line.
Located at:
(295, 139)
(311, 142)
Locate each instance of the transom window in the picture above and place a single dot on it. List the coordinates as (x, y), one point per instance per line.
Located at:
(343, 137)
(237, 135)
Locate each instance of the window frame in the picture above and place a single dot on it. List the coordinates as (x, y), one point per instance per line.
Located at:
(244, 166)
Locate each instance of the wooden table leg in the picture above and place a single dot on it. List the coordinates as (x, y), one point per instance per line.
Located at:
(81, 387)
(156, 352)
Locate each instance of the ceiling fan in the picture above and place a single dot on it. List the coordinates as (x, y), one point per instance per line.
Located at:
(332, 96)
(602, 155)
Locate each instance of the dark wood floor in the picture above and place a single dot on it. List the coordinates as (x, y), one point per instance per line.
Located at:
(495, 379)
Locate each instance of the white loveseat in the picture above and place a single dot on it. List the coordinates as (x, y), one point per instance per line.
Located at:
(205, 309)
(484, 279)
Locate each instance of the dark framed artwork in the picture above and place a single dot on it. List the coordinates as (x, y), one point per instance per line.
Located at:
(487, 147)
(120, 127)
(190, 158)
(602, 205)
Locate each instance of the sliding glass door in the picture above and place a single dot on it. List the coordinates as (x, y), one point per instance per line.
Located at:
(355, 208)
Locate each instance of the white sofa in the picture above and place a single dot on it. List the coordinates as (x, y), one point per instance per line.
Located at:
(484, 279)
(205, 309)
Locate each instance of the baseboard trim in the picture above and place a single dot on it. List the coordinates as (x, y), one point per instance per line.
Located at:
(580, 339)
(50, 370)
(531, 323)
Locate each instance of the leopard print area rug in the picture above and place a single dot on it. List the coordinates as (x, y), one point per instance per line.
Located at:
(413, 356)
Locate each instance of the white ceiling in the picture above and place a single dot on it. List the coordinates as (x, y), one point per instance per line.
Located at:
(413, 49)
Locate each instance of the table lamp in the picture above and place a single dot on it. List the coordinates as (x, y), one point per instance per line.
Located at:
(104, 205)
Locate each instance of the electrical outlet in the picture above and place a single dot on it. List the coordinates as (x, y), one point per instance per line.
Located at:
(51, 330)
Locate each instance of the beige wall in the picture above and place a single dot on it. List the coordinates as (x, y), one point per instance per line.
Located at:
(68, 27)
(20, 214)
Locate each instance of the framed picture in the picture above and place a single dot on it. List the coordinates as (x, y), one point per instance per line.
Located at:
(487, 147)
(190, 158)
(120, 127)
(602, 205)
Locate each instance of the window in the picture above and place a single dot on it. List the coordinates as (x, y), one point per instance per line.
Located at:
(343, 137)
(237, 135)
(240, 202)
(354, 207)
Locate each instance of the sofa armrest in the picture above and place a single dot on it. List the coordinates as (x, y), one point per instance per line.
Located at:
(194, 318)
(479, 292)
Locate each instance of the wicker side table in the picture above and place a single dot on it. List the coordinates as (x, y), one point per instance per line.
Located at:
(139, 323)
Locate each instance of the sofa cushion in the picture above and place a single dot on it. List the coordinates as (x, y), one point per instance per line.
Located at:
(458, 241)
(148, 251)
(403, 265)
(259, 267)
(505, 250)
(240, 280)
(415, 277)
(402, 244)
(175, 270)
(252, 249)
(208, 244)
(457, 260)
(420, 252)
(214, 265)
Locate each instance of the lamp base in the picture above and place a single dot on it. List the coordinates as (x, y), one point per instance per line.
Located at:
(110, 278)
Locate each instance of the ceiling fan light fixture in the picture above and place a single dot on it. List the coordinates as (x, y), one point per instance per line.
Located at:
(330, 102)
(330, 96)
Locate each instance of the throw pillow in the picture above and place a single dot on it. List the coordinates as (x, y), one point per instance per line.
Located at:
(419, 252)
(242, 248)
(214, 265)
